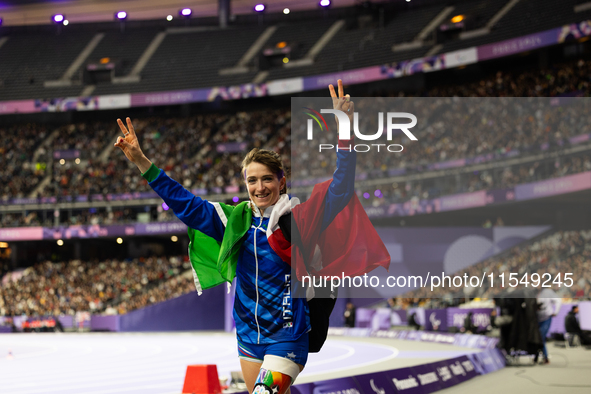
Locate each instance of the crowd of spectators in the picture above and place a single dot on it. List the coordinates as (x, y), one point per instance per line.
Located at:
(454, 124)
(186, 148)
(18, 174)
(465, 126)
(553, 81)
(20, 219)
(498, 178)
(451, 128)
(172, 143)
(391, 192)
(553, 256)
(88, 216)
(88, 138)
(463, 129)
(227, 166)
(64, 288)
(165, 290)
(117, 287)
(5, 266)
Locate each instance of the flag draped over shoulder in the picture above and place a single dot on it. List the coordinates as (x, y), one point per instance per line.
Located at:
(214, 262)
(204, 260)
(350, 245)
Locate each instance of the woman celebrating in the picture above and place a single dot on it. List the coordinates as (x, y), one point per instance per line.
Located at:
(243, 242)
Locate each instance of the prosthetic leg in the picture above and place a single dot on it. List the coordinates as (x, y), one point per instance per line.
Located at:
(276, 375)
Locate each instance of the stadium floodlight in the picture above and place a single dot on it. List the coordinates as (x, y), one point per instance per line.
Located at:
(260, 7)
(186, 12)
(324, 3)
(286, 11)
(169, 18)
(66, 22)
(58, 18)
(457, 19)
(121, 15)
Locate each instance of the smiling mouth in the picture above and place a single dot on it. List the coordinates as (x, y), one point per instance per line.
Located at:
(262, 196)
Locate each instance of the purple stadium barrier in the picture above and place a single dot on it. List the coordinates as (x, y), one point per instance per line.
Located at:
(419, 379)
(187, 312)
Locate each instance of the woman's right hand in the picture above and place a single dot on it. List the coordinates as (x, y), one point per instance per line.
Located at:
(130, 146)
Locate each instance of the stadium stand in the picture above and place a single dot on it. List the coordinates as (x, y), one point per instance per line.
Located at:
(65, 288)
(85, 216)
(116, 286)
(31, 59)
(187, 147)
(192, 59)
(125, 46)
(559, 252)
(477, 14)
(367, 46)
(165, 290)
(306, 34)
(399, 191)
(526, 17)
(215, 169)
(18, 176)
(161, 138)
(560, 79)
(394, 189)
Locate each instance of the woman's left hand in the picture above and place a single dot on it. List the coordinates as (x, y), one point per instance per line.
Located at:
(342, 102)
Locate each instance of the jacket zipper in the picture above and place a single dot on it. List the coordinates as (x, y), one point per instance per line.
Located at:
(256, 282)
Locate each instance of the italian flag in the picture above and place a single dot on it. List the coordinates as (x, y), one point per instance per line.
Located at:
(349, 246)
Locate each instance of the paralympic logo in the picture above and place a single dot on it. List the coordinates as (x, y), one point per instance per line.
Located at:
(344, 128)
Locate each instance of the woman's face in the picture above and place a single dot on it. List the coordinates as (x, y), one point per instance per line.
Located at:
(264, 188)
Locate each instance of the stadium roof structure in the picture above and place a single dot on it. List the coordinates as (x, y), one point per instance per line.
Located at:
(39, 12)
(152, 57)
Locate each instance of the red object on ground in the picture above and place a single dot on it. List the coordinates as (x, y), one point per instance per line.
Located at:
(202, 379)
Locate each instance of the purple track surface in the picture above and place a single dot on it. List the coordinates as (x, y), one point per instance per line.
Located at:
(155, 363)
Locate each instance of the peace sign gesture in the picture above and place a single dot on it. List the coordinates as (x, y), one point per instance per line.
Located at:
(131, 146)
(342, 102)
